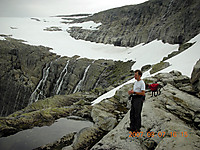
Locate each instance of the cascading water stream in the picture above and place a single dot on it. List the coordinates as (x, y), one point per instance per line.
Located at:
(39, 89)
(78, 86)
(59, 82)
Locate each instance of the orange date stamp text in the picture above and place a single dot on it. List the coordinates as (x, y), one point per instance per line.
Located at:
(159, 134)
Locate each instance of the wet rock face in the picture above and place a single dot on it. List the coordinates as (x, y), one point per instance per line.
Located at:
(20, 70)
(71, 75)
(30, 73)
(170, 21)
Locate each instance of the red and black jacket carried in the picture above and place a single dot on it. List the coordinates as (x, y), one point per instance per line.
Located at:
(154, 87)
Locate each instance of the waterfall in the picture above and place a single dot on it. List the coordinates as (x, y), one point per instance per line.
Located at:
(78, 86)
(59, 82)
(39, 89)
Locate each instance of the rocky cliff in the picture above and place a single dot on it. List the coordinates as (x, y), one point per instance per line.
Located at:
(21, 68)
(30, 73)
(172, 21)
(56, 87)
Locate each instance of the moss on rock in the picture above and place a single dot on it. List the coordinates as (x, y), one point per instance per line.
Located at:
(159, 66)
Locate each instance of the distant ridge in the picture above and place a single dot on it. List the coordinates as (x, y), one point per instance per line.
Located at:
(172, 21)
(74, 15)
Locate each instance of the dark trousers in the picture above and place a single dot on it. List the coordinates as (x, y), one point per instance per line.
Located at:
(135, 113)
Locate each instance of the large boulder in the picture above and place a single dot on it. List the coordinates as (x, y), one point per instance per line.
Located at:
(195, 77)
(185, 106)
(85, 138)
(63, 142)
(104, 120)
(106, 113)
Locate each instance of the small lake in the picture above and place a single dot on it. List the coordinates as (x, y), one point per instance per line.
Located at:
(39, 136)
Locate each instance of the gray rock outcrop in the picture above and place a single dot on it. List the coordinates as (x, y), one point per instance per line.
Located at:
(86, 138)
(174, 78)
(170, 120)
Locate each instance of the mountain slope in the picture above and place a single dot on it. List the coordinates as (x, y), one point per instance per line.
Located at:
(171, 21)
(30, 73)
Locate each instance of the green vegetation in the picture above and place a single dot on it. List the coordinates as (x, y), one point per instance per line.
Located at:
(159, 66)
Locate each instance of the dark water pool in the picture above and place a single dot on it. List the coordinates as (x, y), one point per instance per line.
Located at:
(38, 136)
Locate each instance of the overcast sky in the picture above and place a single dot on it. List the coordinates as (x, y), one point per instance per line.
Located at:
(39, 8)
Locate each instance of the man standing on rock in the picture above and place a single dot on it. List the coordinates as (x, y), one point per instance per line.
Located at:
(137, 95)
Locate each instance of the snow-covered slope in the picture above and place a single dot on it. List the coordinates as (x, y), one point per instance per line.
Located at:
(33, 32)
(184, 62)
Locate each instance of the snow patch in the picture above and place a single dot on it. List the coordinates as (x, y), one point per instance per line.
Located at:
(2, 38)
(89, 25)
(185, 61)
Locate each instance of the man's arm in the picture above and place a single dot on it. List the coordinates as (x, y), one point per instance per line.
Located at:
(130, 92)
(137, 93)
(140, 93)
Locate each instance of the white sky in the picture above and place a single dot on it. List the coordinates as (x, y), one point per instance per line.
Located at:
(39, 8)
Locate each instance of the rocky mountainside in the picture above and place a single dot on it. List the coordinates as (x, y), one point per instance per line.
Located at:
(169, 120)
(29, 73)
(37, 86)
(172, 21)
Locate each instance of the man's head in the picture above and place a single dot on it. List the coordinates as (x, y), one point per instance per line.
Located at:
(138, 74)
